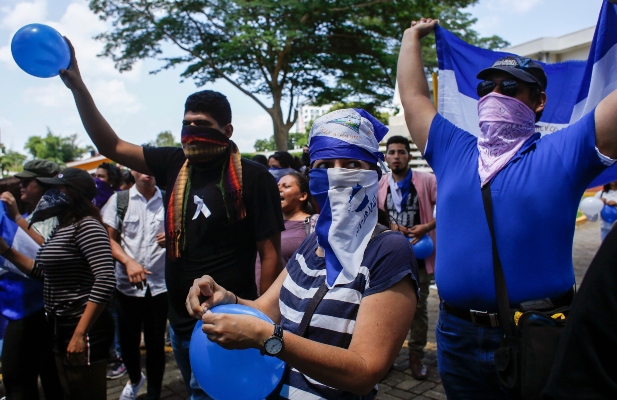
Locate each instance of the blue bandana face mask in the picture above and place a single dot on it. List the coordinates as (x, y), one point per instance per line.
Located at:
(348, 201)
(278, 173)
(52, 204)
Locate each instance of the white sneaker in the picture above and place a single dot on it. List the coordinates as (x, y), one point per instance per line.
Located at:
(130, 390)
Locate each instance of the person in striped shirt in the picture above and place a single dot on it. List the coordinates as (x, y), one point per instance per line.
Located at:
(369, 279)
(77, 270)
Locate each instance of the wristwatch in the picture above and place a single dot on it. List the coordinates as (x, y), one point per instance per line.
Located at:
(274, 344)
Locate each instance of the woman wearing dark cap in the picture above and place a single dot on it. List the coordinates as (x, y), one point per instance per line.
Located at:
(77, 270)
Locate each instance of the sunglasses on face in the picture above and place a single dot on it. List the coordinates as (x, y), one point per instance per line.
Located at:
(509, 87)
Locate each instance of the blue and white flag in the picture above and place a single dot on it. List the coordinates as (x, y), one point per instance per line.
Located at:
(574, 87)
(20, 296)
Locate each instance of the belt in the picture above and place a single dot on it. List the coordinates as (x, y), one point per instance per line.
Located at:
(481, 318)
(490, 319)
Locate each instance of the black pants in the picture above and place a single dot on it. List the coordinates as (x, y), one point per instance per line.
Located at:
(83, 381)
(26, 354)
(149, 312)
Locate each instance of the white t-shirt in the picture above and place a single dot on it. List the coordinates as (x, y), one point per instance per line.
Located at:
(142, 222)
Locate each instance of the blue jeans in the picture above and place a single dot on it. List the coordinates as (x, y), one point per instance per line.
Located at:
(465, 354)
(180, 345)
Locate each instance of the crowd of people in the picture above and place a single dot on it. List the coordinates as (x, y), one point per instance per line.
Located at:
(321, 243)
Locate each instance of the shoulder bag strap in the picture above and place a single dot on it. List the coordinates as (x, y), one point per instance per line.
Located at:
(321, 292)
(503, 302)
(307, 225)
(122, 203)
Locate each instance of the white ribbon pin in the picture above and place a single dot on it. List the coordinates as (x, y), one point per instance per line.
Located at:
(201, 207)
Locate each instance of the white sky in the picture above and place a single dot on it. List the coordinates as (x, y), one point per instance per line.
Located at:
(139, 105)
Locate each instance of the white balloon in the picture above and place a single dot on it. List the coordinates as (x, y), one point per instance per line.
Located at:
(591, 205)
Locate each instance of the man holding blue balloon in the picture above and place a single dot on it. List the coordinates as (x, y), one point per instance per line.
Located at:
(409, 197)
(221, 209)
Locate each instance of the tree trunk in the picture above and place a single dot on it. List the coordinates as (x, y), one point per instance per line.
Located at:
(280, 128)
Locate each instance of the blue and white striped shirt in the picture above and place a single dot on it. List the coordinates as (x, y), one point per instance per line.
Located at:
(388, 259)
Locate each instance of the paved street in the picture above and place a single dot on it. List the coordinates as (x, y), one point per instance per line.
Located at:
(398, 384)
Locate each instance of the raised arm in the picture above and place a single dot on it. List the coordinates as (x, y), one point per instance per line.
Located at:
(413, 88)
(101, 133)
(606, 123)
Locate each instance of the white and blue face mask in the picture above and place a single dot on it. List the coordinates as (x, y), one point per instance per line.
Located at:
(348, 201)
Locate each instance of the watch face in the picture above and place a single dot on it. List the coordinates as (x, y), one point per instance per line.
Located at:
(273, 345)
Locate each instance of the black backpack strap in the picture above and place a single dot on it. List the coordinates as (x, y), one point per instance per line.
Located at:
(310, 309)
(322, 290)
(121, 207)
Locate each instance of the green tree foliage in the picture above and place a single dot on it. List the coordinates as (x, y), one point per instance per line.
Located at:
(265, 144)
(59, 149)
(283, 50)
(10, 161)
(294, 141)
(165, 139)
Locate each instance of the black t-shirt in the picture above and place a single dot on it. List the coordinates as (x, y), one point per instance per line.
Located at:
(214, 246)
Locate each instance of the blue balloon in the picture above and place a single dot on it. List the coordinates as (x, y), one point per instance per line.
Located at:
(233, 374)
(40, 50)
(609, 214)
(423, 247)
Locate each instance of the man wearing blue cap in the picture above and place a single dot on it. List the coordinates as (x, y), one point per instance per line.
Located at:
(535, 184)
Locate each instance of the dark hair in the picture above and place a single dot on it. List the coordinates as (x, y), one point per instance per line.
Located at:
(127, 177)
(398, 140)
(80, 208)
(607, 187)
(114, 175)
(261, 159)
(309, 206)
(210, 102)
(284, 158)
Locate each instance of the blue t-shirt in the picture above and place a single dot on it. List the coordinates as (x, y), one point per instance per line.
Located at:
(388, 258)
(535, 200)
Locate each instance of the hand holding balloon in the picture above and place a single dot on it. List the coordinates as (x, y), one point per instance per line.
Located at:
(235, 331)
(71, 76)
(233, 374)
(205, 294)
(423, 247)
(609, 214)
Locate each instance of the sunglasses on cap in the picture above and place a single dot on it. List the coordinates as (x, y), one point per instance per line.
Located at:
(509, 87)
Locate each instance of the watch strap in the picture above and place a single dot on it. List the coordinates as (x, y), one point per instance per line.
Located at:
(278, 331)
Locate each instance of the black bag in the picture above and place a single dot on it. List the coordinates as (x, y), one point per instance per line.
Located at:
(531, 335)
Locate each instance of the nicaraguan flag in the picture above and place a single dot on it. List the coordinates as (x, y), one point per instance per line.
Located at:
(574, 87)
(20, 296)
